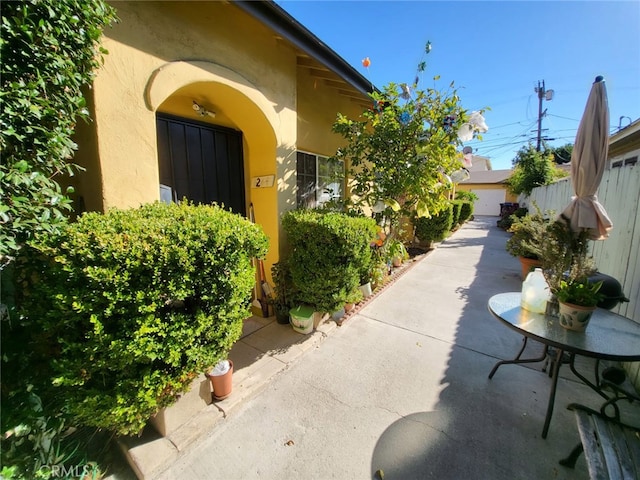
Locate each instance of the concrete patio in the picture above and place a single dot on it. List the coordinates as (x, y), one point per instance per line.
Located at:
(400, 388)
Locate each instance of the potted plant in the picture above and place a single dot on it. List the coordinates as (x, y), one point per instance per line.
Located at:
(578, 299)
(379, 274)
(397, 252)
(282, 292)
(326, 255)
(365, 283)
(529, 232)
(366, 267)
(564, 254)
(302, 318)
(352, 298)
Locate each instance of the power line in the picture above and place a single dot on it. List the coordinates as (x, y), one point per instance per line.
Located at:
(514, 139)
(506, 125)
(564, 118)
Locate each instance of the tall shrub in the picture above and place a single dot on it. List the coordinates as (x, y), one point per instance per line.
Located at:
(329, 252)
(436, 227)
(466, 211)
(122, 310)
(50, 50)
(456, 206)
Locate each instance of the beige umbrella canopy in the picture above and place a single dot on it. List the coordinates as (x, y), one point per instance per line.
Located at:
(588, 162)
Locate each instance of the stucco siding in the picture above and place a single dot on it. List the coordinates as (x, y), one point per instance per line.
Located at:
(318, 106)
(163, 57)
(249, 64)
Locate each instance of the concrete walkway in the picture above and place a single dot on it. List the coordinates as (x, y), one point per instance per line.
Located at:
(401, 387)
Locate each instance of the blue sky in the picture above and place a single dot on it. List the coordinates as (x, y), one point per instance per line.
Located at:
(495, 52)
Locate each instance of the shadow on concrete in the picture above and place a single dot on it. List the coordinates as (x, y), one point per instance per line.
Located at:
(480, 428)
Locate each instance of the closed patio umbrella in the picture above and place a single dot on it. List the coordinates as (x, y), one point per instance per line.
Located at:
(588, 162)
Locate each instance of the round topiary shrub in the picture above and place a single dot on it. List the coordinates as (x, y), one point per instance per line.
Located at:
(123, 310)
(329, 254)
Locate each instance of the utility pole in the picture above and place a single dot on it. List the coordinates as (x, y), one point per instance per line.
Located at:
(547, 95)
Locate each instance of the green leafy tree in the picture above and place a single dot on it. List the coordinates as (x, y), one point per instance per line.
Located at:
(398, 152)
(532, 169)
(50, 50)
(562, 154)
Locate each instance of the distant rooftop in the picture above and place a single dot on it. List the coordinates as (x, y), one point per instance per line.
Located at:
(489, 176)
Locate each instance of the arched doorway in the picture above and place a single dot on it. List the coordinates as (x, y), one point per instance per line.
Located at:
(266, 134)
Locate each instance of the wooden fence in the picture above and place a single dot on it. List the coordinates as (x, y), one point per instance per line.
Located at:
(619, 255)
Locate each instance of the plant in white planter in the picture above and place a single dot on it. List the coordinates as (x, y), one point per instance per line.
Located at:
(578, 299)
(328, 253)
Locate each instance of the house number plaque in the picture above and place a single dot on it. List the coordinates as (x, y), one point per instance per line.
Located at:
(265, 181)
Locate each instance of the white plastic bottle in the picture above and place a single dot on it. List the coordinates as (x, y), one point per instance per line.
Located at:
(535, 292)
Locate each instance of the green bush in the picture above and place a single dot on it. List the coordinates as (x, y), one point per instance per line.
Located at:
(328, 254)
(506, 221)
(456, 208)
(466, 211)
(466, 195)
(533, 168)
(122, 310)
(39, 444)
(436, 227)
(50, 51)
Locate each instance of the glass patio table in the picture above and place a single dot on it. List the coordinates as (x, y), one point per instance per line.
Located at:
(608, 336)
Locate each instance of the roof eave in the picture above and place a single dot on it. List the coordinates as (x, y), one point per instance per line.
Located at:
(288, 27)
(625, 140)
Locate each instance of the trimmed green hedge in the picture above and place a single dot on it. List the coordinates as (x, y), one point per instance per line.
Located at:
(123, 310)
(436, 227)
(466, 211)
(329, 252)
(456, 209)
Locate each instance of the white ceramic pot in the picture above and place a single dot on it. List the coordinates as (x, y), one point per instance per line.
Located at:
(575, 317)
(366, 290)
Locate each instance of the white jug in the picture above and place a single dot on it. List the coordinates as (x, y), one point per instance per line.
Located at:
(535, 292)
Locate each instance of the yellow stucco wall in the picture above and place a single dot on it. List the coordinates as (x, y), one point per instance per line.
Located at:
(165, 55)
(162, 57)
(318, 106)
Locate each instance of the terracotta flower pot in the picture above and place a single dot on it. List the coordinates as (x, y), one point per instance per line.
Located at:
(575, 317)
(528, 265)
(222, 384)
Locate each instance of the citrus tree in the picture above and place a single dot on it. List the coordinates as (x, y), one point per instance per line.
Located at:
(398, 153)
